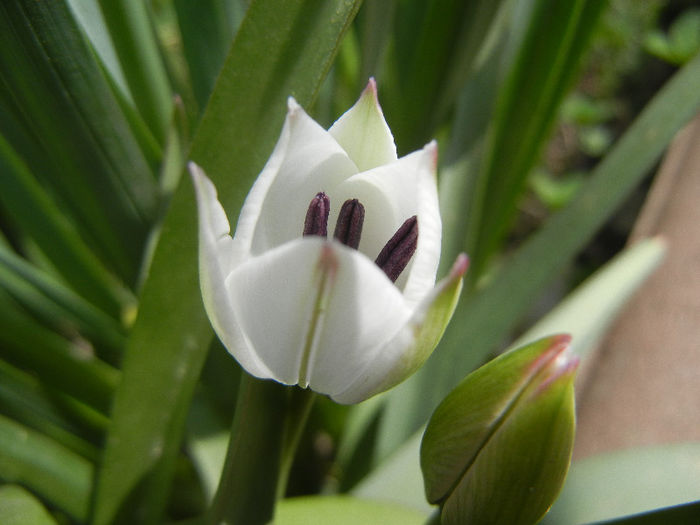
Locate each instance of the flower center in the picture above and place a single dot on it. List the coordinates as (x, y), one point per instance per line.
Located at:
(395, 255)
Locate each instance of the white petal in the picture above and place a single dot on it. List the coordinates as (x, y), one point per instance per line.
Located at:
(305, 161)
(216, 259)
(391, 194)
(316, 311)
(364, 134)
(401, 356)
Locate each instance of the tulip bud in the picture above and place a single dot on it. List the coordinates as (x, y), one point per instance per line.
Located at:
(348, 315)
(498, 447)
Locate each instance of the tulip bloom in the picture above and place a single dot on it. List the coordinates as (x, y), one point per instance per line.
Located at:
(348, 315)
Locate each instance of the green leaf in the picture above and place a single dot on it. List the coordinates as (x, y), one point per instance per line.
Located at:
(207, 29)
(19, 507)
(588, 311)
(135, 43)
(497, 448)
(52, 82)
(48, 469)
(483, 319)
(88, 15)
(281, 48)
(28, 402)
(629, 481)
(56, 304)
(435, 44)
(541, 73)
(55, 361)
(398, 479)
(676, 515)
(23, 198)
(342, 510)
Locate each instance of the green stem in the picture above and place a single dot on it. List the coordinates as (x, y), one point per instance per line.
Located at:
(298, 410)
(266, 428)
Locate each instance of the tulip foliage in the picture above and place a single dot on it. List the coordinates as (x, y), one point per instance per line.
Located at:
(234, 243)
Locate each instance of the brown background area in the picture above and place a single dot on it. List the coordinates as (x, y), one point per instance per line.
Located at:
(643, 387)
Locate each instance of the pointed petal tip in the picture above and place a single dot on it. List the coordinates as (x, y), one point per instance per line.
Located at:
(292, 105)
(199, 178)
(194, 169)
(371, 88)
(431, 149)
(560, 342)
(460, 266)
(563, 368)
(371, 92)
(556, 353)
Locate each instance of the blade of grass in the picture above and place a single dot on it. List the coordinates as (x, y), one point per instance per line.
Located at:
(136, 46)
(678, 514)
(56, 304)
(540, 75)
(281, 48)
(48, 469)
(57, 362)
(26, 202)
(23, 399)
(53, 83)
(628, 481)
(18, 507)
(432, 54)
(207, 29)
(483, 319)
(88, 15)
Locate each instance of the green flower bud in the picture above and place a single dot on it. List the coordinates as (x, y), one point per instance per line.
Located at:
(498, 447)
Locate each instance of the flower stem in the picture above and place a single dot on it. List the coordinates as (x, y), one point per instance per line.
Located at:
(298, 409)
(266, 428)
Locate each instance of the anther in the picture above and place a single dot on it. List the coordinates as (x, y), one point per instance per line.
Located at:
(398, 251)
(316, 222)
(348, 229)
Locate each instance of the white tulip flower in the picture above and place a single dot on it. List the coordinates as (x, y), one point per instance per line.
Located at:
(348, 316)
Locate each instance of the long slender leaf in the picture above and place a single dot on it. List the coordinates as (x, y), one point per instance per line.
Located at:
(398, 479)
(19, 507)
(46, 297)
(341, 510)
(628, 481)
(56, 361)
(675, 515)
(26, 401)
(207, 29)
(435, 45)
(542, 71)
(28, 204)
(483, 320)
(281, 48)
(51, 471)
(88, 15)
(136, 46)
(588, 311)
(52, 82)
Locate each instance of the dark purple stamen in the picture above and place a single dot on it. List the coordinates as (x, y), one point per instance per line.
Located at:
(316, 222)
(348, 229)
(398, 251)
